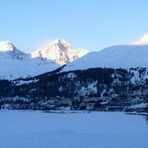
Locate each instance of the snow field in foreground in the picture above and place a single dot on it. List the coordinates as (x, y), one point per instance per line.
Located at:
(24, 129)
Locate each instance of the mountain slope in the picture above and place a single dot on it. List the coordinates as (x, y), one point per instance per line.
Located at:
(15, 63)
(122, 56)
(60, 52)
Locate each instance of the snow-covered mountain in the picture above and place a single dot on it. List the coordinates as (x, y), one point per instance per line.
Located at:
(15, 63)
(7, 50)
(121, 56)
(60, 52)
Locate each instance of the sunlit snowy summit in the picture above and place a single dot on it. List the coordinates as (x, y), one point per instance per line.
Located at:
(60, 52)
(16, 63)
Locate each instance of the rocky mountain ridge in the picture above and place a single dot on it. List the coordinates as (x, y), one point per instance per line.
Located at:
(14, 63)
(60, 52)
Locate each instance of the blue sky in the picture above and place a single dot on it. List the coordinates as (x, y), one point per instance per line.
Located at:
(91, 24)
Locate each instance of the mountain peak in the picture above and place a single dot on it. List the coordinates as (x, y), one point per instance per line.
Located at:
(15, 63)
(59, 51)
(142, 41)
(59, 40)
(9, 51)
(7, 46)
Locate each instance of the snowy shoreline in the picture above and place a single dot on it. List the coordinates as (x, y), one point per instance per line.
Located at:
(77, 112)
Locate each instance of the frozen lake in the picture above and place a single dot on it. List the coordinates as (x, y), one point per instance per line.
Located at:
(24, 129)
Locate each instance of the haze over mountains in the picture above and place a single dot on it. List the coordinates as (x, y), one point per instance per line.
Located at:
(142, 41)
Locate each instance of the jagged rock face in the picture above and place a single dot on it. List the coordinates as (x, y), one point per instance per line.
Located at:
(60, 52)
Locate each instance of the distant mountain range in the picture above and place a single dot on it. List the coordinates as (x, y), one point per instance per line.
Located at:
(14, 63)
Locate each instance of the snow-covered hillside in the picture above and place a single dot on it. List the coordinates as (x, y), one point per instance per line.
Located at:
(121, 56)
(60, 52)
(15, 63)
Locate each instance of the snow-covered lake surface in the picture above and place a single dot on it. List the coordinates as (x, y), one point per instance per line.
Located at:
(24, 129)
